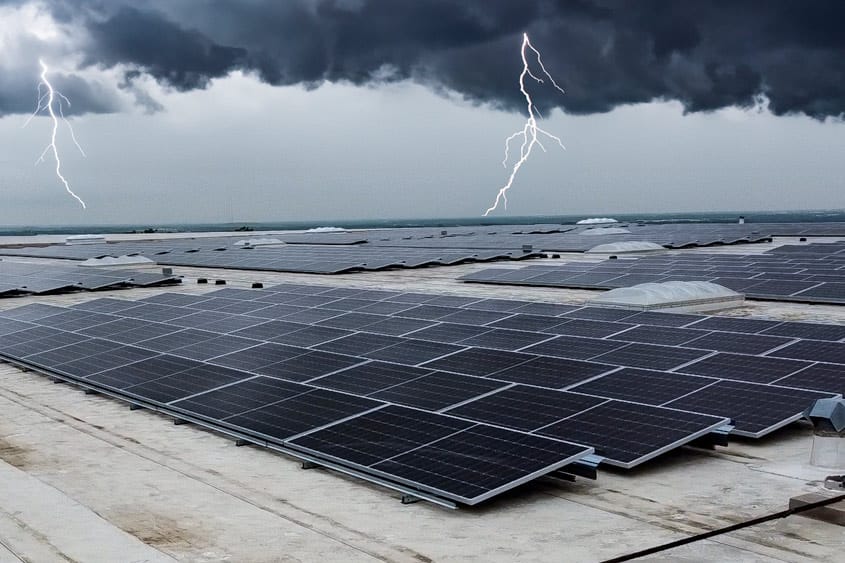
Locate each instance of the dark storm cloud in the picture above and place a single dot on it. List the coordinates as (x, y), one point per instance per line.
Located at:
(705, 54)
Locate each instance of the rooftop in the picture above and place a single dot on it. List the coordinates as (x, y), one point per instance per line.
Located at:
(85, 480)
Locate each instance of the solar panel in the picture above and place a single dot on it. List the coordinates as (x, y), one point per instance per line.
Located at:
(311, 336)
(142, 371)
(818, 377)
(627, 434)
(396, 326)
(753, 369)
(240, 397)
(448, 332)
(185, 383)
(413, 352)
(754, 409)
(359, 343)
(370, 377)
(437, 390)
(475, 464)
(650, 334)
(593, 329)
(808, 330)
(214, 347)
(537, 323)
(479, 361)
(651, 356)
(643, 386)
(574, 347)
(256, 357)
(818, 350)
(287, 418)
(379, 435)
(554, 373)
(524, 408)
(731, 324)
(309, 365)
(505, 339)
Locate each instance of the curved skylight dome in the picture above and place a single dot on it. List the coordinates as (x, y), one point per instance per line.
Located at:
(675, 295)
(326, 230)
(596, 221)
(626, 246)
(606, 231)
(84, 239)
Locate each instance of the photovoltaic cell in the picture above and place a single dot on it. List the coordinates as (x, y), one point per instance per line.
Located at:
(627, 434)
(477, 463)
(818, 377)
(643, 386)
(651, 356)
(754, 409)
(479, 361)
(306, 411)
(554, 373)
(240, 397)
(817, 350)
(379, 435)
(437, 390)
(371, 377)
(524, 408)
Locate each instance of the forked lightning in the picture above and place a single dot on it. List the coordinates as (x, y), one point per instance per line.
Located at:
(530, 130)
(49, 101)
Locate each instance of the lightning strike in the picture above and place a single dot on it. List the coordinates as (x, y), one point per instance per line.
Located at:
(49, 101)
(529, 133)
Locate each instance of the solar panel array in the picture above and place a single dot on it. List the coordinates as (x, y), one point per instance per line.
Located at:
(807, 273)
(20, 278)
(281, 363)
(315, 259)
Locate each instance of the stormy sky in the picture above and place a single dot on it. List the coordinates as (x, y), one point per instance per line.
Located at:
(219, 110)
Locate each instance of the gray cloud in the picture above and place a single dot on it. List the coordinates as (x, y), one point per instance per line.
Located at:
(706, 54)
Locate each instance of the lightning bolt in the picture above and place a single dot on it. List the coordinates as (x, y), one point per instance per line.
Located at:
(50, 100)
(530, 131)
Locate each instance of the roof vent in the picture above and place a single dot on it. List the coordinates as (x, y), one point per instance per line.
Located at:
(828, 418)
(673, 296)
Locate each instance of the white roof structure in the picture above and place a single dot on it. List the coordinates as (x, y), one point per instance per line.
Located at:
(679, 296)
(626, 246)
(125, 260)
(84, 239)
(596, 221)
(325, 230)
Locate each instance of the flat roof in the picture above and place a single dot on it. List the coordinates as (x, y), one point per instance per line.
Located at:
(85, 480)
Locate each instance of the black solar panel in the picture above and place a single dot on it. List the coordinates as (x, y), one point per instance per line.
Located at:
(650, 356)
(555, 373)
(413, 352)
(643, 386)
(669, 336)
(438, 390)
(479, 361)
(752, 369)
(808, 330)
(740, 343)
(240, 397)
(574, 347)
(818, 377)
(754, 409)
(289, 417)
(309, 366)
(475, 464)
(185, 383)
(448, 332)
(626, 434)
(593, 329)
(379, 435)
(371, 377)
(818, 350)
(525, 408)
(143, 371)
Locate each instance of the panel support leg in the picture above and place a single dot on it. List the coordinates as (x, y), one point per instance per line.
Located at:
(134, 407)
(309, 465)
(179, 421)
(409, 499)
(240, 443)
